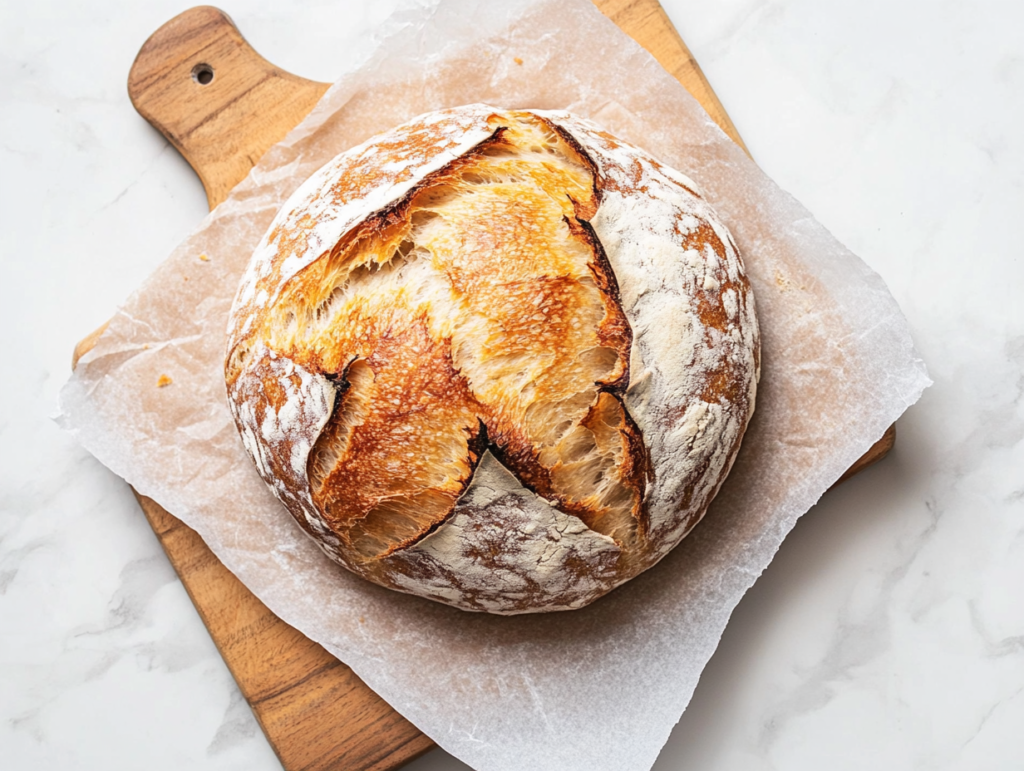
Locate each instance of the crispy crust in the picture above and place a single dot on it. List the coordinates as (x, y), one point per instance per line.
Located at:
(500, 360)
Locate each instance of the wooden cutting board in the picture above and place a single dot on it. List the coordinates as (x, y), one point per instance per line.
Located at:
(222, 106)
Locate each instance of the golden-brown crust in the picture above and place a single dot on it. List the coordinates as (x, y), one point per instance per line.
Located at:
(470, 313)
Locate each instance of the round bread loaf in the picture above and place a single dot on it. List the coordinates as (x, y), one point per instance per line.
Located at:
(502, 360)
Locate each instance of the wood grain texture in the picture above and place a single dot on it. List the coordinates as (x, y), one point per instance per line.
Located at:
(316, 713)
(224, 126)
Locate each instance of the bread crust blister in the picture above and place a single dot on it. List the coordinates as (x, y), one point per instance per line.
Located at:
(502, 360)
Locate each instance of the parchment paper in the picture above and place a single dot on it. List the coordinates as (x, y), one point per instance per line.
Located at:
(598, 688)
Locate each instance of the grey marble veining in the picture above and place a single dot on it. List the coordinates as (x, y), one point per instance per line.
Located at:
(889, 631)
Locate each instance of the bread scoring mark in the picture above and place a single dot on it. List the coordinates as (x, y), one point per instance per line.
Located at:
(348, 189)
(503, 548)
(696, 351)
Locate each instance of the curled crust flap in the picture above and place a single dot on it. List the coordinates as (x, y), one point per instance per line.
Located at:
(345, 191)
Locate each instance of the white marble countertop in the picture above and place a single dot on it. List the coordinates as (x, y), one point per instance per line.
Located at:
(889, 631)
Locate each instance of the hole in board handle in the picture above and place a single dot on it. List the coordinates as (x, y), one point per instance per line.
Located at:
(202, 74)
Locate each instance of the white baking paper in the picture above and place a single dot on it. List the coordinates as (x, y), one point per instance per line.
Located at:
(598, 688)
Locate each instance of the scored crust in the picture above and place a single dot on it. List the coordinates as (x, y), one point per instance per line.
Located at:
(499, 359)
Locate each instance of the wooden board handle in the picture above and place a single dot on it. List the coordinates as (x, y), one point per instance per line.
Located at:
(221, 104)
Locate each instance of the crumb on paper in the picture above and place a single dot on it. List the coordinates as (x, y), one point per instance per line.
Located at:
(204, 257)
(164, 380)
(518, 61)
(783, 282)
